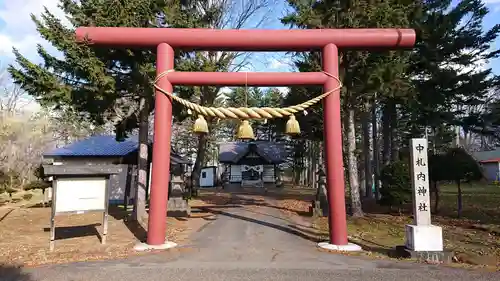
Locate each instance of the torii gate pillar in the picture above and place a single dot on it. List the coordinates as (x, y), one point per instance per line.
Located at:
(327, 40)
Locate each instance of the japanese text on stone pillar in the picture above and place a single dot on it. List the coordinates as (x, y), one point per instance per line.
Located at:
(420, 182)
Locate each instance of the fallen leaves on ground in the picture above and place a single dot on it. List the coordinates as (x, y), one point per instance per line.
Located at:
(473, 242)
(24, 236)
(294, 206)
(207, 198)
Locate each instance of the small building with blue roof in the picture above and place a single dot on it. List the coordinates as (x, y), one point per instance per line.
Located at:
(106, 150)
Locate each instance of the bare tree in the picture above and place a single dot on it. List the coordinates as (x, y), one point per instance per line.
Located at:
(234, 14)
(23, 140)
(182, 139)
(12, 98)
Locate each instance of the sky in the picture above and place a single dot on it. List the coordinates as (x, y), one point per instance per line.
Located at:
(17, 30)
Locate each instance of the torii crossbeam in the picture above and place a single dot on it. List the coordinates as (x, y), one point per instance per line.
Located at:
(326, 40)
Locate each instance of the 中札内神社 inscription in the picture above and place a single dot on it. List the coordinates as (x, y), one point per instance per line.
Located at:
(421, 235)
(420, 182)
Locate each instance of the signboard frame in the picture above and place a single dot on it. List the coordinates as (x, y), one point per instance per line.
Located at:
(78, 172)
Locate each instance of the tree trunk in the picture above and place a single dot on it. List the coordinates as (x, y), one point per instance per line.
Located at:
(139, 212)
(314, 164)
(376, 150)
(456, 142)
(394, 132)
(386, 131)
(367, 149)
(435, 190)
(200, 157)
(459, 200)
(43, 196)
(309, 165)
(128, 186)
(356, 208)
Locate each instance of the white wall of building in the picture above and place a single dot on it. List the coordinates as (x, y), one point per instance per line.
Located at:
(267, 176)
(208, 177)
(235, 173)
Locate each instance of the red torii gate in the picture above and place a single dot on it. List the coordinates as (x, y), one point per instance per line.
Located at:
(327, 40)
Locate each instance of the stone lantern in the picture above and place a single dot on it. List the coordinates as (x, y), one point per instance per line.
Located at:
(320, 204)
(178, 205)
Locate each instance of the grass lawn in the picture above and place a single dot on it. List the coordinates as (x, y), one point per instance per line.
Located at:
(475, 238)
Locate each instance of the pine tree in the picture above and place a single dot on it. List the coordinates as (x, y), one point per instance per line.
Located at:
(103, 84)
(362, 73)
(445, 67)
(269, 130)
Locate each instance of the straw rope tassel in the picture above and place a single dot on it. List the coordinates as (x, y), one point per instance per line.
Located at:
(245, 112)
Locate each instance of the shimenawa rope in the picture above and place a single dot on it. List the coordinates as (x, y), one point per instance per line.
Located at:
(246, 112)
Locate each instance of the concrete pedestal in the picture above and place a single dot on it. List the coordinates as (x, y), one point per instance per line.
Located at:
(146, 247)
(424, 238)
(320, 207)
(178, 207)
(350, 247)
(434, 257)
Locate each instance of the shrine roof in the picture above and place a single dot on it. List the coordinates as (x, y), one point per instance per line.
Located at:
(105, 146)
(273, 152)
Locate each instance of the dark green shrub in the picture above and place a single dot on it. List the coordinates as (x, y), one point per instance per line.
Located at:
(396, 184)
(10, 191)
(9, 182)
(457, 166)
(438, 167)
(4, 178)
(461, 166)
(37, 184)
(38, 172)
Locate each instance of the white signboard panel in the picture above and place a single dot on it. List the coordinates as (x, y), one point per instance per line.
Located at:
(80, 194)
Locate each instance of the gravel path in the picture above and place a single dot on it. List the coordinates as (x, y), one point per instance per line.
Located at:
(245, 243)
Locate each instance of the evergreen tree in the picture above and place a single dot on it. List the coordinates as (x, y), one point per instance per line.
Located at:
(362, 73)
(103, 84)
(445, 67)
(270, 130)
(273, 129)
(396, 180)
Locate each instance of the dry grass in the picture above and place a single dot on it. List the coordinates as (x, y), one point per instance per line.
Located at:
(24, 231)
(475, 238)
(24, 236)
(210, 197)
(21, 198)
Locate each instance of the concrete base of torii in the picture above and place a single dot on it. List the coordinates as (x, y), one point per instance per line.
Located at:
(350, 247)
(145, 247)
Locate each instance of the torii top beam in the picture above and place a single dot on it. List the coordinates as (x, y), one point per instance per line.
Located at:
(248, 40)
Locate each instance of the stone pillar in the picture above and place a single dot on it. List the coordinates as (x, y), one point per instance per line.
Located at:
(277, 175)
(421, 236)
(320, 204)
(178, 206)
